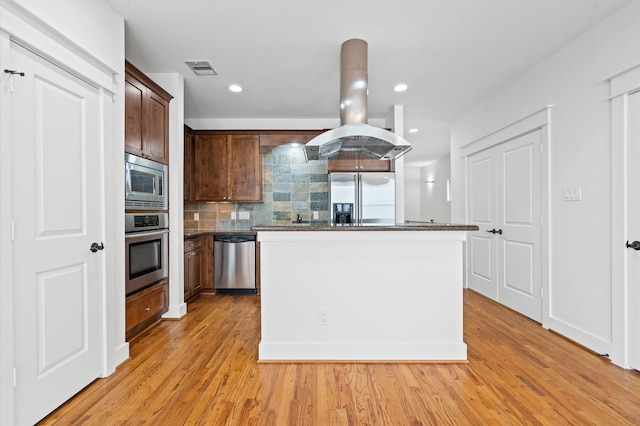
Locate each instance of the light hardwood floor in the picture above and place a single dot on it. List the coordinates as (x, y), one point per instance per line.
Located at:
(203, 370)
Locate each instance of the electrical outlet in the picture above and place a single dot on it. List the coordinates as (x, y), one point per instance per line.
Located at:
(233, 215)
(196, 216)
(243, 215)
(315, 215)
(323, 318)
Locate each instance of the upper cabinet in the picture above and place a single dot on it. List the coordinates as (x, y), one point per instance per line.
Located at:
(353, 162)
(226, 167)
(146, 108)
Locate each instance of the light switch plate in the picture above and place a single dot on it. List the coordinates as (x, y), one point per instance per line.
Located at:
(243, 215)
(233, 215)
(196, 216)
(572, 193)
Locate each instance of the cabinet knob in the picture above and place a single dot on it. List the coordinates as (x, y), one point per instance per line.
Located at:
(147, 309)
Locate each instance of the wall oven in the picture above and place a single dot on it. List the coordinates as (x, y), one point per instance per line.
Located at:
(146, 250)
(145, 184)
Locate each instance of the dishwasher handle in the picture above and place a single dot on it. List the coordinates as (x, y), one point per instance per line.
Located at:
(234, 238)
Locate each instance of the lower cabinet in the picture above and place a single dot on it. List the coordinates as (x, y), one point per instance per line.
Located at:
(145, 308)
(192, 267)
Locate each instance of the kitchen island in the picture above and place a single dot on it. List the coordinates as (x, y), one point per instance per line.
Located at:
(362, 293)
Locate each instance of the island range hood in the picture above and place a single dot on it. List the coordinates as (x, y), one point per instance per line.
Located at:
(354, 134)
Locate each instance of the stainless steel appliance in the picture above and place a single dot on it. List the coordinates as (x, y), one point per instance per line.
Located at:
(366, 198)
(354, 134)
(234, 257)
(145, 184)
(146, 250)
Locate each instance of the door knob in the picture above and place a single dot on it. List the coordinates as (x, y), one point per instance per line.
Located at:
(634, 245)
(95, 247)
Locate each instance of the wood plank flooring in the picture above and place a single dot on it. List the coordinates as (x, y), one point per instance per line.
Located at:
(202, 370)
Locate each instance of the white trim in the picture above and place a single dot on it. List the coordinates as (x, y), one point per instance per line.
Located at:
(517, 128)
(538, 120)
(622, 85)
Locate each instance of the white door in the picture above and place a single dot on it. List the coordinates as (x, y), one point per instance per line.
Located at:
(481, 205)
(519, 250)
(55, 134)
(634, 228)
(503, 185)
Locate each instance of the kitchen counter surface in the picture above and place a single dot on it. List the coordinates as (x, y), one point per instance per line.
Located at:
(195, 234)
(411, 226)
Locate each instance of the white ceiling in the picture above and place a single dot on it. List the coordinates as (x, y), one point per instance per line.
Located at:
(285, 53)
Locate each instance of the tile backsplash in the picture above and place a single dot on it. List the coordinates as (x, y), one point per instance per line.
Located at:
(291, 188)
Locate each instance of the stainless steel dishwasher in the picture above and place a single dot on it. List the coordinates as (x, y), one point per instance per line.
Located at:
(234, 257)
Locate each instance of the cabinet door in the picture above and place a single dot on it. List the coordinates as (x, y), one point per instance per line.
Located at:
(343, 162)
(156, 129)
(210, 171)
(245, 168)
(196, 271)
(188, 164)
(134, 93)
(188, 284)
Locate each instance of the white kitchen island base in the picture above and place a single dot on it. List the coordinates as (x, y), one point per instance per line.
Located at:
(361, 296)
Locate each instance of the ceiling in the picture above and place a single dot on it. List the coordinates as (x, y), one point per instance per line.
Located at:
(286, 54)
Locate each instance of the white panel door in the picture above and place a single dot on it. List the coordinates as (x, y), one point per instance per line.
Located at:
(481, 205)
(503, 200)
(634, 228)
(519, 256)
(55, 133)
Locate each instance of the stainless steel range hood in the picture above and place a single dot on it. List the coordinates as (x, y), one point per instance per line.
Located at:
(354, 134)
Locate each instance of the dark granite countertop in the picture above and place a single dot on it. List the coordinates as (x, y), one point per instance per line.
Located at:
(412, 226)
(195, 234)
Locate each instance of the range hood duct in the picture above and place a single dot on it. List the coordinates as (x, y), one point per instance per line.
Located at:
(354, 134)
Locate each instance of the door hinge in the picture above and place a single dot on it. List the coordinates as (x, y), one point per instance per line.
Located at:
(541, 292)
(540, 149)
(541, 221)
(15, 377)
(13, 231)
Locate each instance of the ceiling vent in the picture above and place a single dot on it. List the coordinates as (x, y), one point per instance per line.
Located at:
(201, 68)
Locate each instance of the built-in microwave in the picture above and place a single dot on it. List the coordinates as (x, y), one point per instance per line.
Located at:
(145, 184)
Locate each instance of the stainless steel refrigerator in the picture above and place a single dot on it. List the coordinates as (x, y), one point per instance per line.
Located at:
(367, 198)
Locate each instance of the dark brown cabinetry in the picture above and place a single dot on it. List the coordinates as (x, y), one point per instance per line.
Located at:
(353, 162)
(207, 265)
(226, 167)
(189, 139)
(145, 308)
(146, 108)
(192, 267)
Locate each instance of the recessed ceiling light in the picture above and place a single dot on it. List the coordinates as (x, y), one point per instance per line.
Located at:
(235, 88)
(413, 130)
(201, 68)
(400, 87)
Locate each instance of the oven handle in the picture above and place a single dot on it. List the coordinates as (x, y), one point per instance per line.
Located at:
(146, 234)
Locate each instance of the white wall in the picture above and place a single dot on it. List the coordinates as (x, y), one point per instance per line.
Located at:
(412, 196)
(574, 81)
(88, 38)
(433, 190)
(174, 84)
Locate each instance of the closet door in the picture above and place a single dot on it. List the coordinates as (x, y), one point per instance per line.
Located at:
(633, 159)
(503, 200)
(57, 192)
(481, 211)
(519, 244)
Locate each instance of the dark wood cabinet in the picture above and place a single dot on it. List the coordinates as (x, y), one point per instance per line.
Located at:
(145, 308)
(352, 162)
(226, 167)
(207, 265)
(188, 180)
(192, 267)
(146, 116)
